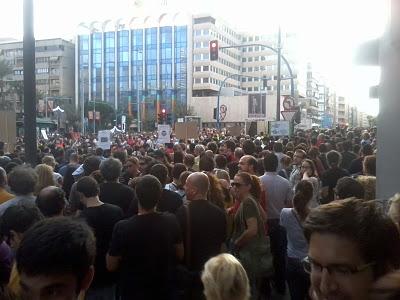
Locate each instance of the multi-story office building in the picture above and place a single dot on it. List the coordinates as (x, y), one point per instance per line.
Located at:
(137, 65)
(208, 75)
(54, 70)
(342, 111)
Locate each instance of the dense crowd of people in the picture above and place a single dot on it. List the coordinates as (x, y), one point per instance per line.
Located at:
(219, 217)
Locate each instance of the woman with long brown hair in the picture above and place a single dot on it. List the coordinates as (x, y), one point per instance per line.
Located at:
(297, 247)
(249, 241)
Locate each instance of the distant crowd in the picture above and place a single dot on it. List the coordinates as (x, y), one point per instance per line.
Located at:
(217, 217)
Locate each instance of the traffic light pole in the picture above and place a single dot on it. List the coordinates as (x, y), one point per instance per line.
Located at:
(29, 85)
(278, 82)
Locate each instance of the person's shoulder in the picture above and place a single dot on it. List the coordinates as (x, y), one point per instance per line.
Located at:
(112, 208)
(171, 194)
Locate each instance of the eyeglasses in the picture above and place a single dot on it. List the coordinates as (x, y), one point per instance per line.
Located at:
(339, 271)
(237, 184)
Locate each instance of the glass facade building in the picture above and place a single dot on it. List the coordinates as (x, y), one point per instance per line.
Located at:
(131, 69)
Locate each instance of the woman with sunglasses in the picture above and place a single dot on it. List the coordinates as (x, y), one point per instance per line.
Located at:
(309, 173)
(249, 234)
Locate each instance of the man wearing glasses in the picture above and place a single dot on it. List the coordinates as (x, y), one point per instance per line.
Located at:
(351, 244)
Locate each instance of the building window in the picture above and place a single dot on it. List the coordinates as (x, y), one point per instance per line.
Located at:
(205, 68)
(198, 69)
(250, 69)
(262, 58)
(256, 48)
(205, 80)
(206, 31)
(250, 49)
(249, 89)
(244, 59)
(197, 32)
(197, 45)
(243, 69)
(197, 80)
(257, 38)
(243, 79)
(256, 58)
(250, 59)
(250, 39)
(256, 88)
(256, 69)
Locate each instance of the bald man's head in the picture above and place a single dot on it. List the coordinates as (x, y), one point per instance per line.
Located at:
(197, 185)
(51, 201)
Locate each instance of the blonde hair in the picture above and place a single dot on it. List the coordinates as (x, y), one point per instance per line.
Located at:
(45, 177)
(394, 209)
(224, 278)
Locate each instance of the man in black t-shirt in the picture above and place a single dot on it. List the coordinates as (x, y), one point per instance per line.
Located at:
(331, 176)
(205, 232)
(170, 201)
(145, 248)
(113, 192)
(101, 217)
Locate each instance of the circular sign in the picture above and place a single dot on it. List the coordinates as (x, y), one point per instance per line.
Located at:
(288, 103)
(163, 133)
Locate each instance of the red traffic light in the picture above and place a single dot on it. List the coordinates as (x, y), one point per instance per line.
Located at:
(163, 111)
(214, 50)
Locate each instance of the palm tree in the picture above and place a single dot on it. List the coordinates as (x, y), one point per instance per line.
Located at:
(5, 69)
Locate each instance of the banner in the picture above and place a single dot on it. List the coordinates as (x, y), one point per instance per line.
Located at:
(164, 134)
(104, 139)
(256, 106)
(279, 128)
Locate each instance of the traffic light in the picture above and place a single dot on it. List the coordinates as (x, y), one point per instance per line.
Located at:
(162, 117)
(215, 113)
(214, 50)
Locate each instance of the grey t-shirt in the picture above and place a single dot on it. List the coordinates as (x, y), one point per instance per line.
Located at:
(297, 246)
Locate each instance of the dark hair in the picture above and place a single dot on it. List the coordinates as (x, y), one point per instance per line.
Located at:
(206, 163)
(252, 161)
(303, 194)
(323, 148)
(88, 186)
(212, 146)
(347, 145)
(270, 162)
(18, 218)
(57, 246)
(177, 170)
(178, 157)
(22, 180)
(230, 145)
(313, 153)
(370, 165)
(189, 160)
(334, 158)
(51, 202)
(120, 155)
(347, 187)
(99, 151)
(254, 182)
(10, 166)
(148, 191)
(313, 168)
(220, 161)
(160, 171)
(91, 164)
(111, 169)
(278, 147)
(367, 150)
(249, 147)
(260, 170)
(364, 223)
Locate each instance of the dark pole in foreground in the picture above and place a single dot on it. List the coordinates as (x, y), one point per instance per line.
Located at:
(29, 85)
(278, 82)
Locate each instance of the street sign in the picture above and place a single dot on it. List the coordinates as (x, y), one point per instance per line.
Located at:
(288, 114)
(288, 103)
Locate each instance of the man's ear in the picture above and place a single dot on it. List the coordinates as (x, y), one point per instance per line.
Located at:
(15, 239)
(87, 279)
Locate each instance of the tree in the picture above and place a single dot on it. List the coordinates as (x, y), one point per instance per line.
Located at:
(182, 110)
(107, 113)
(5, 69)
(17, 88)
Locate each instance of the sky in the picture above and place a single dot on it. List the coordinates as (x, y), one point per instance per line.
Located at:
(328, 31)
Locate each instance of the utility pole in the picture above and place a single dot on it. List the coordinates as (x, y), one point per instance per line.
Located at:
(29, 85)
(278, 82)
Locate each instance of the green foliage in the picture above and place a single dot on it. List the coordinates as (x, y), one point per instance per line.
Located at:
(107, 113)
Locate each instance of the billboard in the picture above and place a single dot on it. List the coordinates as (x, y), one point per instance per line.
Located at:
(256, 106)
